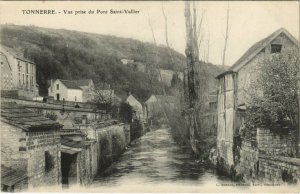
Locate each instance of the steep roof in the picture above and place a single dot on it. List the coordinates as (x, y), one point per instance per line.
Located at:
(255, 49)
(25, 119)
(75, 84)
(70, 84)
(11, 176)
(16, 53)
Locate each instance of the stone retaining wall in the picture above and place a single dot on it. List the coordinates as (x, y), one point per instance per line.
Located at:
(272, 143)
(279, 168)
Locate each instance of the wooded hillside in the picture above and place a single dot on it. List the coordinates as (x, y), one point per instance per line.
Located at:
(67, 54)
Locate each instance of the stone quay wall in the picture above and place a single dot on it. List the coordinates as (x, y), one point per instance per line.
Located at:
(269, 159)
(279, 169)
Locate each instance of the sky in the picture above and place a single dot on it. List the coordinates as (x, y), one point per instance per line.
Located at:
(249, 22)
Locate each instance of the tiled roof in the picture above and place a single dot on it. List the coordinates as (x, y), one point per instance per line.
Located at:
(75, 84)
(16, 53)
(70, 84)
(10, 176)
(25, 119)
(255, 49)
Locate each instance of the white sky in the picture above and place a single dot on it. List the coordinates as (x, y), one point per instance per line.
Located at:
(249, 21)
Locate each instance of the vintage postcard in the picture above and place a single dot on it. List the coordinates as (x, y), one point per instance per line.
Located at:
(150, 96)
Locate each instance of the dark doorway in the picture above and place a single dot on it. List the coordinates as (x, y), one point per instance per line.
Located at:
(57, 97)
(68, 168)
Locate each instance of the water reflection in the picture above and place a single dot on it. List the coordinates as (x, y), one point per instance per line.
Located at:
(155, 158)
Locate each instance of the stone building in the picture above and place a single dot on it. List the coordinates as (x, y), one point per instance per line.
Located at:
(232, 99)
(72, 90)
(18, 74)
(30, 143)
(136, 106)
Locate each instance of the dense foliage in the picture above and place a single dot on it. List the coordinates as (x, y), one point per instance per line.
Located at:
(77, 55)
(274, 95)
(68, 54)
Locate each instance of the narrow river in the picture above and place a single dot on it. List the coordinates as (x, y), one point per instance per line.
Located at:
(155, 163)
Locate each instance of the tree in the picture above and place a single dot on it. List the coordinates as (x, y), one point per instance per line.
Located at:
(226, 37)
(274, 97)
(103, 97)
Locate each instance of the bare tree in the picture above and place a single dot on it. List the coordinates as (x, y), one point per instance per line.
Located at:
(226, 37)
(103, 94)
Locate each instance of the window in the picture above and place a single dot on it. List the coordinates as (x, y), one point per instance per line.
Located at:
(26, 80)
(57, 86)
(27, 68)
(49, 162)
(23, 79)
(276, 48)
(19, 79)
(75, 98)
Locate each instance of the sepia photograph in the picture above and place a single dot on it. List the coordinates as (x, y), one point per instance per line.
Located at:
(150, 96)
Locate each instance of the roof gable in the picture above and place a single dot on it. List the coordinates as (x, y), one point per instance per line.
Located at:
(16, 53)
(256, 48)
(152, 98)
(70, 84)
(75, 84)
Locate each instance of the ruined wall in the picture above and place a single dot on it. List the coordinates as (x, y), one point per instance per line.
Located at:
(38, 143)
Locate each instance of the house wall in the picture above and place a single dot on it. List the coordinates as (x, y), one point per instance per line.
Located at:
(136, 105)
(88, 92)
(74, 95)
(166, 75)
(37, 144)
(234, 91)
(26, 151)
(226, 114)
(23, 78)
(62, 90)
(248, 73)
(13, 140)
(6, 74)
